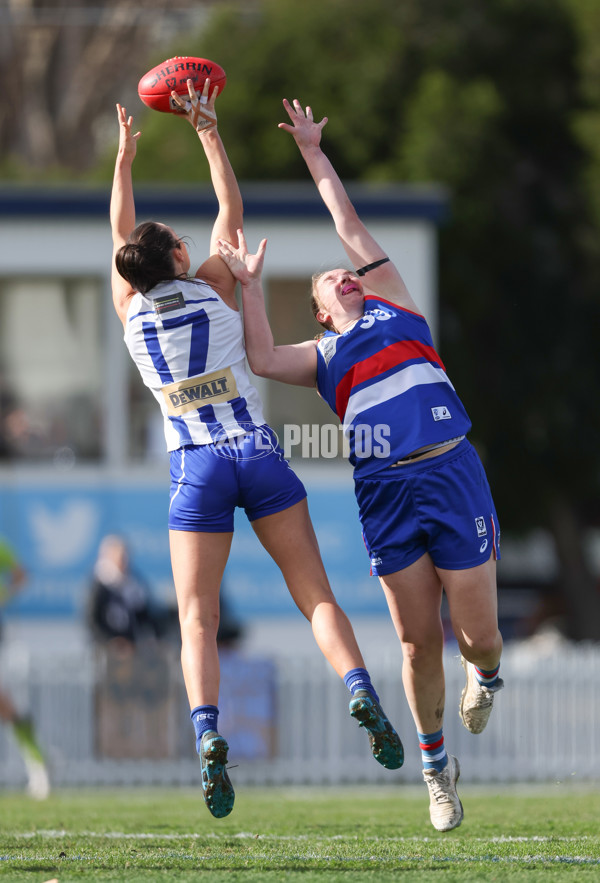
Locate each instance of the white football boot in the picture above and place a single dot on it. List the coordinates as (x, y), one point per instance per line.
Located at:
(445, 808)
(476, 700)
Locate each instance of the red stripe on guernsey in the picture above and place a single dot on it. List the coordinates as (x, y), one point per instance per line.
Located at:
(389, 357)
(424, 746)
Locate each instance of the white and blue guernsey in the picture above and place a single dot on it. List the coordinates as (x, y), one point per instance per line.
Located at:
(189, 348)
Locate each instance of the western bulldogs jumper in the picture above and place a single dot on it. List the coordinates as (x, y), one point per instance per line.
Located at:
(189, 348)
(385, 381)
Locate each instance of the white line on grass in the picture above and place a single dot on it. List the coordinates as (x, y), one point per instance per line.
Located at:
(495, 859)
(293, 838)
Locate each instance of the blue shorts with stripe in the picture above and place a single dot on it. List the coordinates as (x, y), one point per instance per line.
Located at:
(209, 481)
(441, 505)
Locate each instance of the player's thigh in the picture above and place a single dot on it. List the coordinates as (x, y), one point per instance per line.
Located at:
(267, 483)
(289, 538)
(198, 561)
(414, 596)
(473, 602)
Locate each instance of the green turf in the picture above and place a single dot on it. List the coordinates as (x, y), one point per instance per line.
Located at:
(359, 834)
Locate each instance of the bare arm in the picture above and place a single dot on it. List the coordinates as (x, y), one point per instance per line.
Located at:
(296, 363)
(359, 245)
(202, 116)
(122, 206)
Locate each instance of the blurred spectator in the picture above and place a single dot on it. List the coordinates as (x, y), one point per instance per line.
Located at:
(121, 610)
(230, 630)
(12, 579)
(135, 688)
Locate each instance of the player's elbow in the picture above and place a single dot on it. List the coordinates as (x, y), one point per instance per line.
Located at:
(259, 366)
(263, 364)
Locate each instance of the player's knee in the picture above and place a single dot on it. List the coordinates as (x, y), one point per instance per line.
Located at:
(422, 651)
(199, 623)
(482, 646)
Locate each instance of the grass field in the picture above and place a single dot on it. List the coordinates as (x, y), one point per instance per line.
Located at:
(358, 834)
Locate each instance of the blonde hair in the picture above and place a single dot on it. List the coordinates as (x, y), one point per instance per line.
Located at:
(315, 305)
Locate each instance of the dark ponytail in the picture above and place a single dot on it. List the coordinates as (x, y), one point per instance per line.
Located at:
(146, 258)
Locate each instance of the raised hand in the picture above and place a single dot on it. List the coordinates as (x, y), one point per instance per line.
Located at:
(244, 267)
(305, 131)
(199, 111)
(127, 140)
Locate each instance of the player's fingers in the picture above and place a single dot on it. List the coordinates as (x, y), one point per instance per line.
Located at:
(290, 110)
(191, 91)
(309, 113)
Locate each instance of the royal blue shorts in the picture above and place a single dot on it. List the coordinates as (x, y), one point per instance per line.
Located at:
(442, 505)
(209, 481)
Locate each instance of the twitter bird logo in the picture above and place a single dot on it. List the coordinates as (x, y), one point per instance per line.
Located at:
(62, 538)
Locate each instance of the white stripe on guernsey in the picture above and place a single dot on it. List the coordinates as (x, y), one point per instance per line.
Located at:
(181, 477)
(390, 387)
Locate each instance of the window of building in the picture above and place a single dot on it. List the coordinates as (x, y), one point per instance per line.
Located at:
(51, 369)
(306, 426)
(146, 435)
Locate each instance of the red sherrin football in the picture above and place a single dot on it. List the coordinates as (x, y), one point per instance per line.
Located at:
(156, 86)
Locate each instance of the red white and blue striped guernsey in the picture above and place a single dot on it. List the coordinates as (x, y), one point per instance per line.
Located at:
(387, 384)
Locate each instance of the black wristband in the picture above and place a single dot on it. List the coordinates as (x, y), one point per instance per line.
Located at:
(372, 266)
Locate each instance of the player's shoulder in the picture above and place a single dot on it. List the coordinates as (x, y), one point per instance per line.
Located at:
(394, 300)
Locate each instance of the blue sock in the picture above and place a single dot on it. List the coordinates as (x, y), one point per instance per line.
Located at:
(204, 718)
(433, 750)
(487, 678)
(358, 679)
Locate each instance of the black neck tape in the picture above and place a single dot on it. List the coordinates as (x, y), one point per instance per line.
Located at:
(372, 266)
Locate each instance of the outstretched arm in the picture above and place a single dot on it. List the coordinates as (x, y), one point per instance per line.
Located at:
(201, 114)
(122, 206)
(296, 363)
(359, 245)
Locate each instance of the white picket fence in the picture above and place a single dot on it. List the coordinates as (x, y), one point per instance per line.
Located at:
(545, 725)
